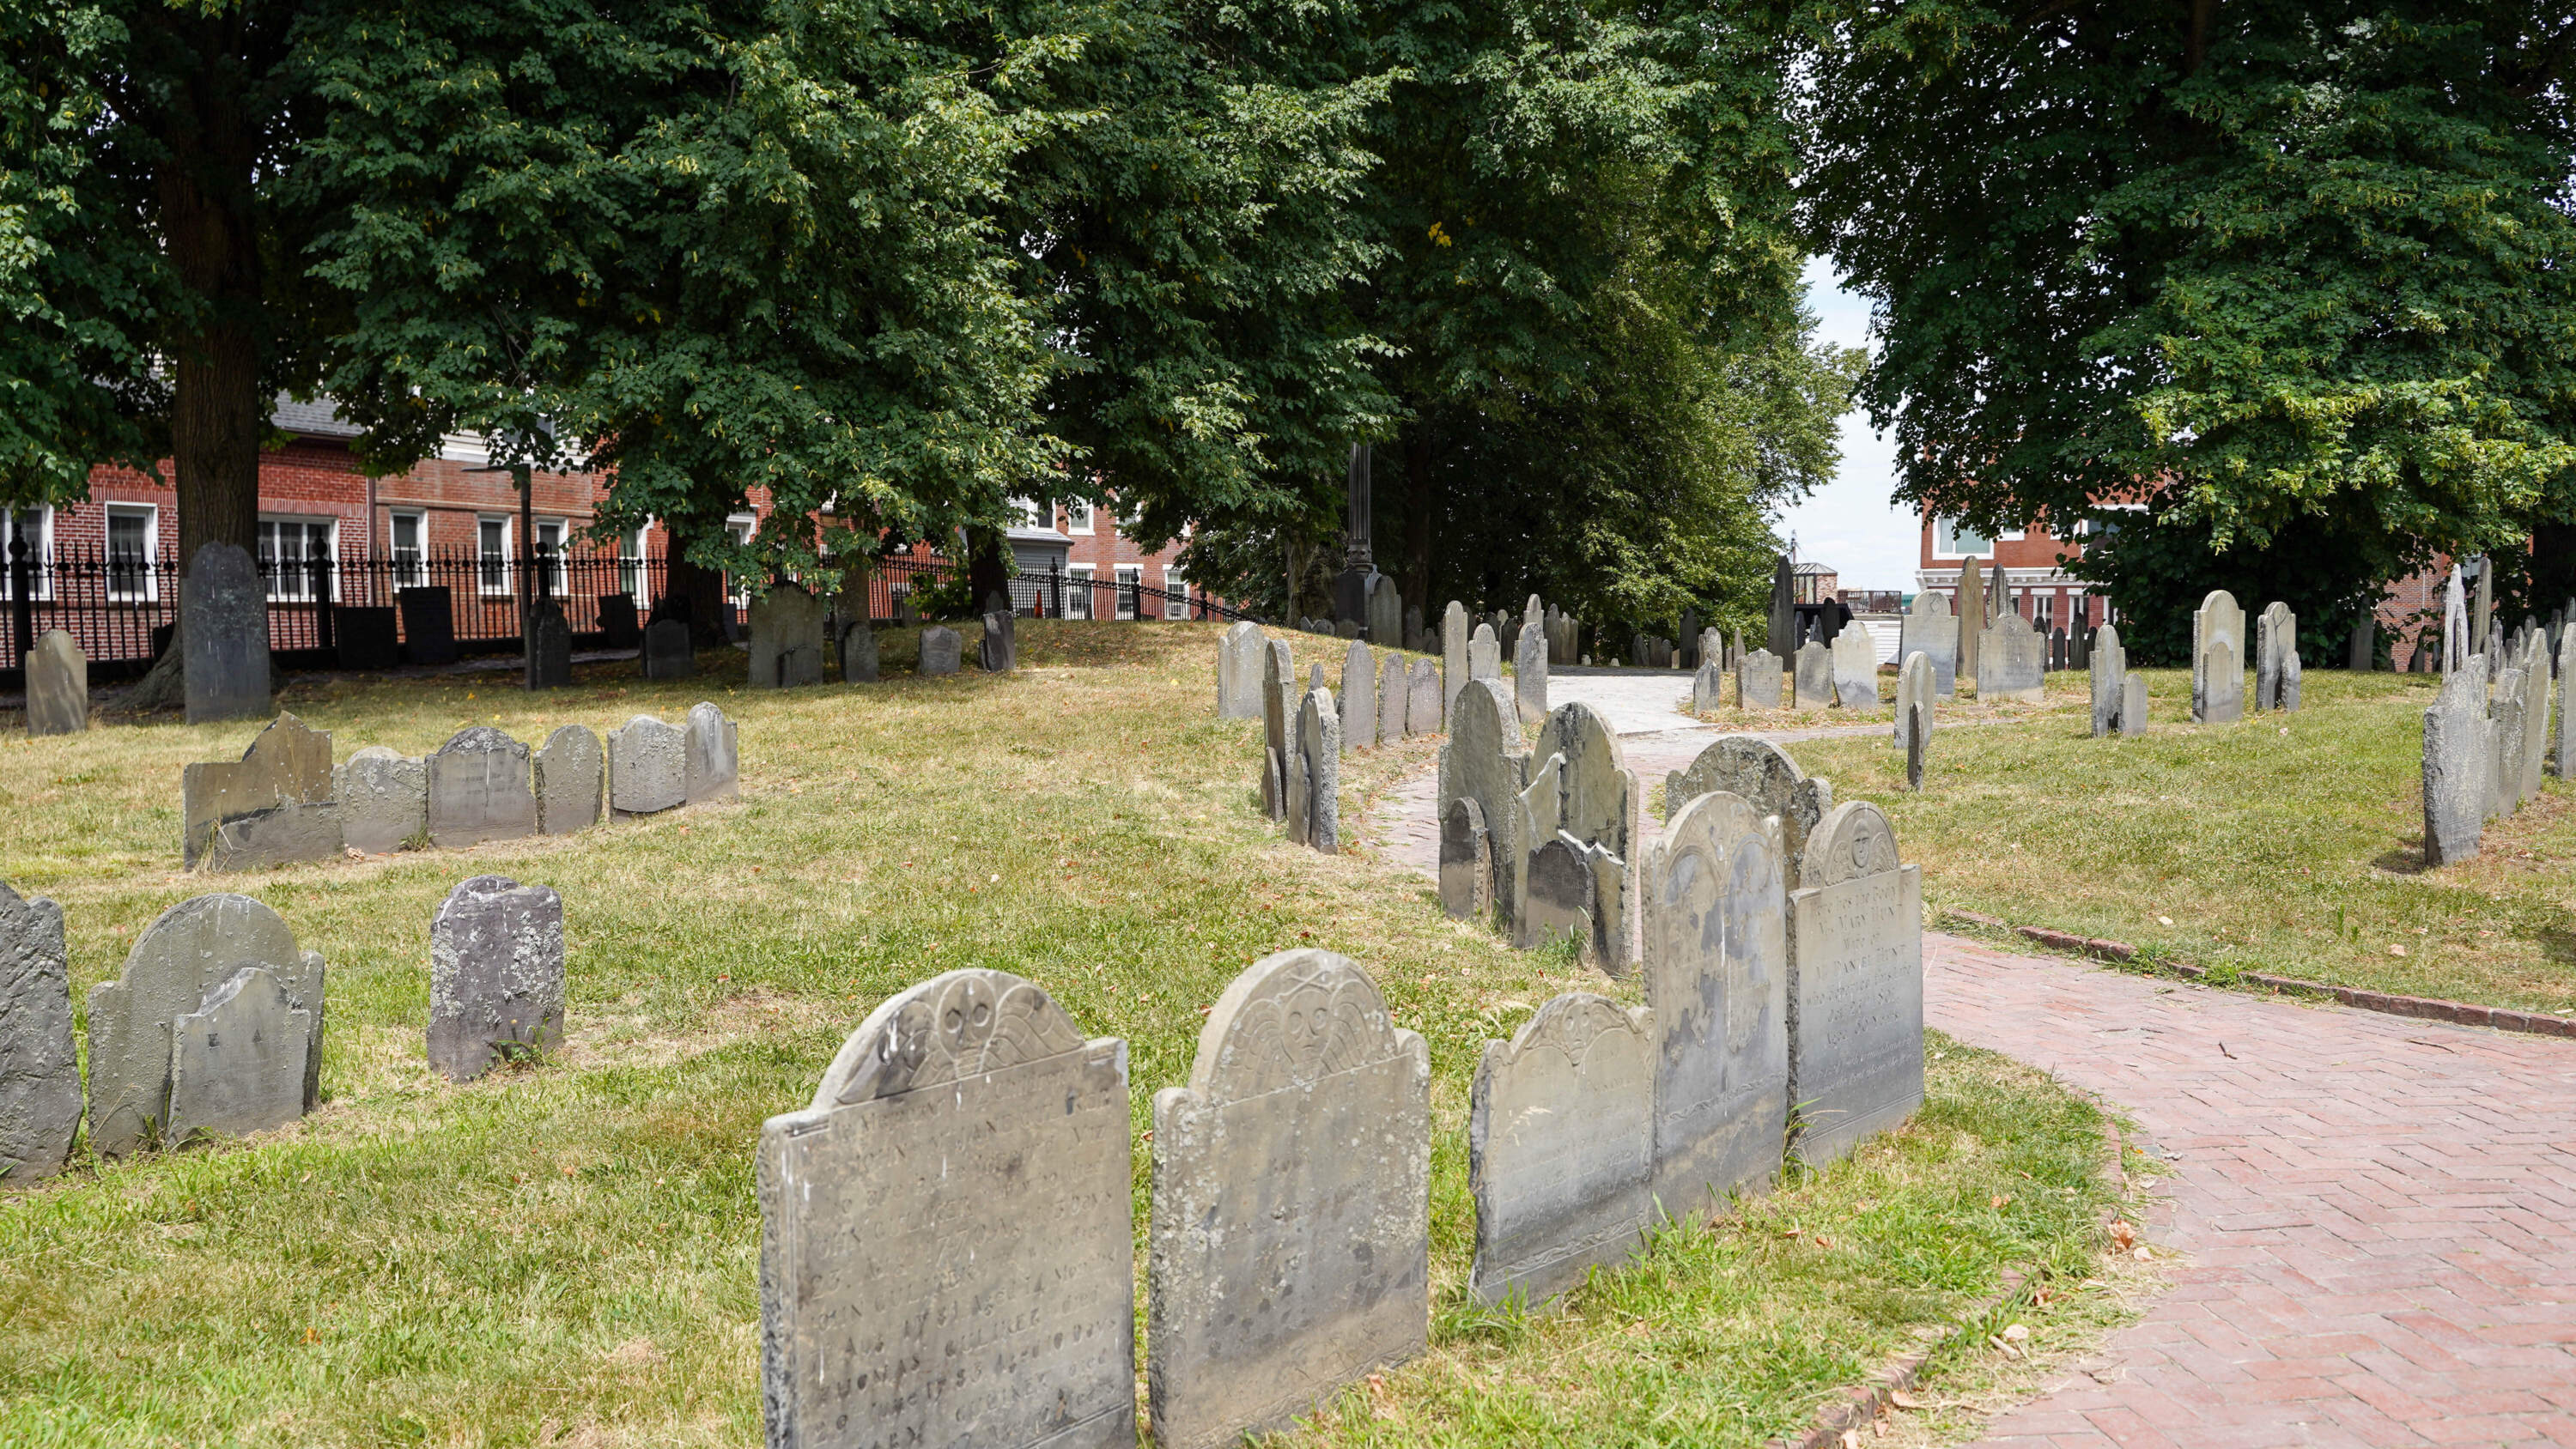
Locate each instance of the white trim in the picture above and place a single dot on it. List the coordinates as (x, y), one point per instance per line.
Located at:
(1081, 517)
(415, 574)
(1078, 579)
(281, 587)
(150, 513)
(485, 582)
(1178, 584)
(39, 550)
(1118, 602)
(557, 578)
(471, 449)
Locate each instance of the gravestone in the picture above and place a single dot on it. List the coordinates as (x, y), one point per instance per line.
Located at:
(2565, 698)
(1529, 668)
(1855, 984)
(365, 638)
(1855, 665)
(2276, 658)
(786, 639)
(1561, 1147)
(57, 686)
(1385, 613)
(1973, 617)
(1278, 722)
(2459, 769)
(1597, 806)
(238, 1062)
(1757, 681)
(223, 636)
(1238, 672)
(941, 648)
(1814, 681)
(496, 976)
(1558, 898)
(1931, 630)
(618, 626)
(40, 1084)
(428, 625)
(1422, 709)
(947, 1246)
(1783, 640)
(2218, 685)
(546, 648)
(1414, 630)
(998, 652)
(1708, 685)
(2110, 680)
(648, 767)
(2482, 615)
(668, 654)
(2133, 706)
(2455, 622)
(1914, 696)
(384, 801)
(1485, 761)
(1717, 968)
(1918, 743)
(1466, 862)
(1763, 775)
(568, 781)
(714, 756)
(2011, 663)
(1485, 656)
(1317, 781)
(1359, 698)
(273, 806)
(2056, 649)
(859, 653)
(2361, 652)
(1454, 635)
(1289, 1253)
(1391, 703)
(481, 787)
(177, 963)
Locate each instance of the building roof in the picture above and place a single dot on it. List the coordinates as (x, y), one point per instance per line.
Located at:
(1812, 570)
(319, 418)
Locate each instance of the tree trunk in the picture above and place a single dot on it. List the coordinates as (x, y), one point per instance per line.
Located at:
(691, 592)
(1418, 519)
(987, 571)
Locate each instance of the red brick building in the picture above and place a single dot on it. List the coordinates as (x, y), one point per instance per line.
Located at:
(2034, 564)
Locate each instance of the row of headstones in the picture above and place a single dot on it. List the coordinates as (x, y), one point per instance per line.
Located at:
(789, 626)
(1843, 674)
(1540, 839)
(214, 1026)
(948, 1232)
(284, 801)
(2484, 748)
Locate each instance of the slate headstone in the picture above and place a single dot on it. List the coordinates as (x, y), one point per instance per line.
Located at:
(1289, 1254)
(1973, 617)
(2218, 686)
(273, 806)
(2276, 658)
(1914, 700)
(1855, 666)
(1454, 634)
(1238, 671)
(1359, 698)
(223, 636)
(1599, 807)
(998, 652)
(1561, 1147)
(1757, 681)
(2011, 661)
(1485, 655)
(859, 654)
(1856, 984)
(384, 801)
(2110, 680)
(1783, 641)
(668, 653)
(428, 625)
(546, 648)
(1558, 898)
(40, 1084)
(1485, 761)
(1385, 613)
(1708, 685)
(1814, 677)
(619, 628)
(1279, 717)
(1423, 707)
(568, 770)
(1929, 629)
(714, 756)
(1391, 704)
(496, 976)
(947, 1239)
(2459, 749)
(787, 631)
(1762, 774)
(482, 786)
(2566, 643)
(1317, 782)
(1466, 862)
(2133, 707)
(57, 686)
(648, 767)
(238, 1062)
(941, 648)
(2361, 651)
(1529, 668)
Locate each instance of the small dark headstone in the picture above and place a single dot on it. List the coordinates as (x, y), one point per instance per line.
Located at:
(223, 635)
(1466, 862)
(1918, 735)
(667, 654)
(365, 637)
(548, 647)
(428, 625)
(2363, 651)
(618, 628)
(1560, 896)
(999, 652)
(859, 654)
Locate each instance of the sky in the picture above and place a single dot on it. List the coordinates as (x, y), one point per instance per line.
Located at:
(1848, 522)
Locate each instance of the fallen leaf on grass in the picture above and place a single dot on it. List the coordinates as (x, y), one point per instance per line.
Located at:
(2124, 1233)
(1903, 1400)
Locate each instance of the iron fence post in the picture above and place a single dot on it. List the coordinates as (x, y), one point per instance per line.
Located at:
(22, 595)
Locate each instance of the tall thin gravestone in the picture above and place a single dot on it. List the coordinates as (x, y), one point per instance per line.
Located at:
(57, 686)
(1359, 698)
(1279, 725)
(40, 1084)
(1315, 812)
(1238, 671)
(1454, 630)
(1391, 699)
(2218, 660)
(1422, 709)
(1972, 617)
(223, 636)
(1856, 984)
(1561, 1147)
(1529, 665)
(1486, 761)
(2566, 697)
(2110, 680)
(1783, 641)
(1914, 697)
(2459, 751)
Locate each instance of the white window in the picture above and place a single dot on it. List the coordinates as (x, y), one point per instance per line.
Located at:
(1028, 513)
(1129, 596)
(133, 529)
(630, 563)
(35, 526)
(741, 526)
(1077, 516)
(492, 555)
(1178, 605)
(407, 545)
(550, 547)
(296, 554)
(1077, 592)
(1951, 539)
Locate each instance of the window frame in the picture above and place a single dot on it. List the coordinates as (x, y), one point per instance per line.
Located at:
(557, 575)
(492, 570)
(413, 574)
(269, 535)
(1177, 585)
(148, 567)
(1081, 517)
(1120, 607)
(1079, 580)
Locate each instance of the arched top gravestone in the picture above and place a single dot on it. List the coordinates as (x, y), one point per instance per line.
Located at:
(1853, 840)
(40, 1085)
(1856, 984)
(1485, 761)
(482, 786)
(1561, 1146)
(1764, 776)
(223, 635)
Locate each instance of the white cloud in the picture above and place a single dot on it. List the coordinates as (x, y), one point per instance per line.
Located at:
(1849, 523)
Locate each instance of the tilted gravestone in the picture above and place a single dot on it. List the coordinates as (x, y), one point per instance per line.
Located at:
(176, 965)
(1238, 672)
(1466, 862)
(57, 686)
(1812, 677)
(714, 756)
(1598, 807)
(2110, 680)
(496, 976)
(1422, 709)
(273, 806)
(1484, 761)
(1317, 779)
(223, 636)
(941, 648)
(947, 1239)
(998, 652)
(1914, 699)
(668, 654)
(1561, 1147)
(2276, 658)
(546, 661)
(428, 625)
(648, 767)
(1485, 655)
(1289, 1254)
(1717, 965)
(40, 1085)
(786, 639)
(1855, 660)
(1855, 984)
(1930, 629)
(1359, 698)
(2133, 706)
(2459, 764)
(481, 787)
(384, 800)
(1455, 629)
(1762, 774)
(237, 1062)
(1757, 681)
(1391, 708)
(1278, 723)
(568, 769)
(2218, 660)
(859, 654)
(2012, 661)
(1559, 900)
(1529, 665)
(1708, 685)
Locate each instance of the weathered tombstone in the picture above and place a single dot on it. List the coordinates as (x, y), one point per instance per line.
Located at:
(1812, 677)
(1914, 698)
(1708, 685)
(2110, 680)
(1278, 721)
(947, 1239)
(1559, 898)
(1783, 641)
(1760, 773)
(1485, 761)
(1317, 783)
(273, 806)
(1466, 861)
(40, 1085)
(2276, 643)
(2218, 686)
(2566, 715)
(1717, 978)
(2133, 706)
(2361, 652)
(176, 965)
(1529, 667)
(2459, 749)
(859, 653)
(428, 625)
(2535, 732)
(568, 781)
(2010, 662)
(1391, 703)
(1485, 655)
(715, 756)
(998, 652)
(668, 654)
(546, 648)
(223, 635)
(1931, 630)
(1289, 1253)
(237, 1062)
(384, 801)
(57, 686)
(1385, 613)
(496, 976)
(1757, 681)
(941, 649)
(648, 767)
(619, 628)
(481, 787)
(1455, 631)
(786, 639)
(1855, 665)
(1414, 630)
(1561, 1147)
(2482, 616)
(1597, 806)
(1422, 709)
(1973, 617)
(1359, 698)
(1855, 984)
(1238, 672)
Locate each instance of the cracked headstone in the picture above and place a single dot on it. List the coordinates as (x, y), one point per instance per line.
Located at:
(568, 768)
(384, 801)
(482, 786)
(496, 976)
(273, 806)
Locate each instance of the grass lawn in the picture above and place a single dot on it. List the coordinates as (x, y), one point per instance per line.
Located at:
(2290, 844)
(569, 1254)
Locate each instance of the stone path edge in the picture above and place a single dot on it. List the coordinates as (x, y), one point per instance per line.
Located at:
(2426, 1008)
(1862, 1403)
